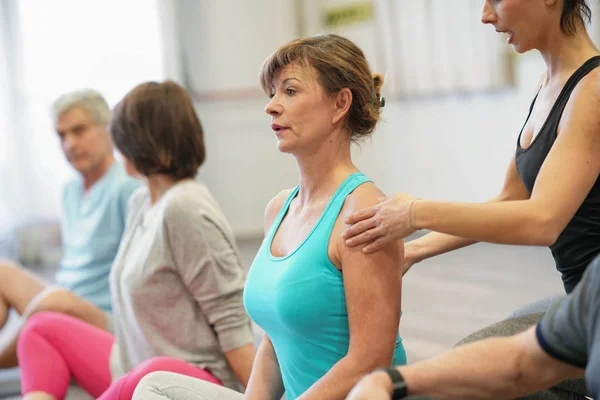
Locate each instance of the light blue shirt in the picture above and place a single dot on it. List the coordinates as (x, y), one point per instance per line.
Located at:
(92, 226)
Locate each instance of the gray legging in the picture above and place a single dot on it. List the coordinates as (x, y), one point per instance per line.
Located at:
(520, 320)
(167, 385)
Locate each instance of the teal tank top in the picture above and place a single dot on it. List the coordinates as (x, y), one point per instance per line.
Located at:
(299, 300)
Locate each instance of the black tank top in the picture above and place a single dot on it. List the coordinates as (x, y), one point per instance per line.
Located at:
(579, 242)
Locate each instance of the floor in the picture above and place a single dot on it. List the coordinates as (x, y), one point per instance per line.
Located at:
(451, 296)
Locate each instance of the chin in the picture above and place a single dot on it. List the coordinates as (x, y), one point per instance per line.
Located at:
(284, 147)
(521, 49)
(78, 166)
(82, 167)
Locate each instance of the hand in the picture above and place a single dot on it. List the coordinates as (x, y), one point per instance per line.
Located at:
(375, 386)
(380, 224)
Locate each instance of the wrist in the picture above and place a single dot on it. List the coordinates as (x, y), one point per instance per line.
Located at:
(394, 383)
(412, 214)
(382, 378)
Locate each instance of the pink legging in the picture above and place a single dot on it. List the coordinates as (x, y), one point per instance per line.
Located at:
(53, 348)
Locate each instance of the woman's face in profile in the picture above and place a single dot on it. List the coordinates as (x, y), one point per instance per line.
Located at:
(301, 112)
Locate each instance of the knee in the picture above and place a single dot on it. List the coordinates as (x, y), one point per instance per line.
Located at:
(37, 325)
(42, 320)
(58, 301)
(151, 383)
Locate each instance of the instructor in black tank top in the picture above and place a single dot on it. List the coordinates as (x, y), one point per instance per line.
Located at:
(551, 193)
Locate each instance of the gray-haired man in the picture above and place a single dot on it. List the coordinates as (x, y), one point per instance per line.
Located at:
(94, 210)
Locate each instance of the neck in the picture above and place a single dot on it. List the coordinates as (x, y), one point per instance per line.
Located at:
(158, 185)
(92, 177)
(564, 54)
(321, 172)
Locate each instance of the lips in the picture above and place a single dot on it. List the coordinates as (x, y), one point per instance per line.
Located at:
(277, 127)
(509, 35)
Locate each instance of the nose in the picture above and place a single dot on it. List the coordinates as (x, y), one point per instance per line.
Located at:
(68, 143)
(274, 107)
(488, 15)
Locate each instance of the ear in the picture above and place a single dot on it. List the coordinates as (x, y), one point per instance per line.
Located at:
(343, 101)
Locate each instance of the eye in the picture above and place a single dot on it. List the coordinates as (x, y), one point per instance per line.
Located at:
(290, 92)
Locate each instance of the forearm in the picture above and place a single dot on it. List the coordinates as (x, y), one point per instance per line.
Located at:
(241, 360)
(482, 370)
(338, 381)
(509, 222)
(265, 381)
(496, 368)
(435, 243)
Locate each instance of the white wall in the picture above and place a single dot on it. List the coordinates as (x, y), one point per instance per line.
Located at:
(442, 148)
(54, 47)
(450, 149)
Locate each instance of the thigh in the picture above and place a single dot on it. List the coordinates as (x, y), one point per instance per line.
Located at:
(507, 327)
(52, 342)
(168, 385)
(537, 307)
(555, 393)
(18, 286)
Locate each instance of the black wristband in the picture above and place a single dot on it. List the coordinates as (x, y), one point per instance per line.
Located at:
(399, 388)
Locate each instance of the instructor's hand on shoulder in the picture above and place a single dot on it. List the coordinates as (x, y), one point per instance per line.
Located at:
(376, 226)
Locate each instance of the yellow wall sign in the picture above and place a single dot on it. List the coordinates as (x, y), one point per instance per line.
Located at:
(348, 14)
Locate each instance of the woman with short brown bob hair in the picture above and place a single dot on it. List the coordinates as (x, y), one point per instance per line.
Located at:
(159, 138)
(330, 313)
(176, 283)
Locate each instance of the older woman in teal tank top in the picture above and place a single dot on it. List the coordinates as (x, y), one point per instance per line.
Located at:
(330, 312)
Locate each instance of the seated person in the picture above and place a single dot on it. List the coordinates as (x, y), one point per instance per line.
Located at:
(564, 344)
(94, 208)
(177, 280)
(330, 312)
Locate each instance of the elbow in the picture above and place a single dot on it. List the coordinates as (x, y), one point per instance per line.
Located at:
(547, 230)
(516, 375)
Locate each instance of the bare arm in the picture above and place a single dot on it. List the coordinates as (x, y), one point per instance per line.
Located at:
(373, 291)
(566, 177)
(436, 243)
(240, 360)
(265, 380)
(494, 368)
